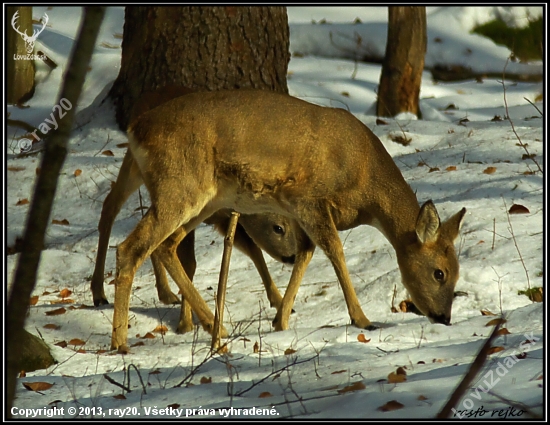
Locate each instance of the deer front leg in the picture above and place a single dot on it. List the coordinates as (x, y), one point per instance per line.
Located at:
(327, 238)
(245, 244)
(304, 252)
(186, 255)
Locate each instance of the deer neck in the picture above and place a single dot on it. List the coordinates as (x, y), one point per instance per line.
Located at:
(395, 215)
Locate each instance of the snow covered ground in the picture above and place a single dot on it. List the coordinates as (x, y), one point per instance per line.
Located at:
(464, 153)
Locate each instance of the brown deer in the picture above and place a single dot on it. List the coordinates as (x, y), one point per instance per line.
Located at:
(262, 152)
(271, 232)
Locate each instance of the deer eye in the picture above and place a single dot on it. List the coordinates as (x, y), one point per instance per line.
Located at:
(278, 229)
(439, 275)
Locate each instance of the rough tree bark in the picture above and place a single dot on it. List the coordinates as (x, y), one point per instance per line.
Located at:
(202, 48)
(55, 151)
(20, 84)
(403, 64)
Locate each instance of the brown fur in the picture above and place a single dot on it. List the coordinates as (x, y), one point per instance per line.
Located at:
(270, 232)
(262, 152)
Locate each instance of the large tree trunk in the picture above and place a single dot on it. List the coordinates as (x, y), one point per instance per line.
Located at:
(55, 150)
(401, 77)
(202, 48)
(20, 84)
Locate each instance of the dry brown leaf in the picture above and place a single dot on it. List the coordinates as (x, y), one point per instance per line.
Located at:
(148, 335)
(77, 172)
(174, 406)
(356, 386)
(497, 321)
(63, 301)
(120, 397)
(101, 351)
(33, 300)
(401, 371)
(161, 329)
(381, 122)
(64, 293)
(62, 344)
(81, 351)
(22, 202)
(63, 222)
(123, 145)
(76, 341)
(494, 350)
(289, 351)
(518, 209)
(422, 398)
(12, 168)
(451, 168)
(540, 378)
(56, 312)
(155, 372)
(490, 170)
(52, 326)
(362, 338)
(265, 394)
(338, 371)
(205, 380)
(138, 344)
(108, 153)
(503, 331)
(394, 378)
(37, 386)
(487, 313)
(391, 405)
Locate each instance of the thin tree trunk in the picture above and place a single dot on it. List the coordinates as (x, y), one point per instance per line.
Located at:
(20, 73)
(55, 151)
(403, 64)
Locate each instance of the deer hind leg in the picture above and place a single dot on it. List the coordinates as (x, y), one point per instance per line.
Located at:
(128, 181)
(188, 290)
(186, 254)
(324, 234)
(304, 252)
(131, 253)
(157, 225)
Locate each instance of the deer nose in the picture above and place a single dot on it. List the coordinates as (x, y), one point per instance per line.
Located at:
(289, 260)
(441, 318)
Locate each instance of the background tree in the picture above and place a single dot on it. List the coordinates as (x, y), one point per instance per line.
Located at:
(403, 64)
(20, 84)
(202, 48)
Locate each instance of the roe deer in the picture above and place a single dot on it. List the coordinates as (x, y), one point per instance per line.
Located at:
(270, 232)
(257, 151)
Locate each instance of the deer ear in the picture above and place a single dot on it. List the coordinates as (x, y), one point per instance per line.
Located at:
(452, 225)
(427, 223)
